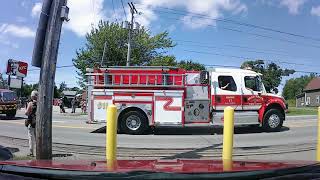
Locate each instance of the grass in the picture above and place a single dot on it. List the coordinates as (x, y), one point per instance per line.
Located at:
(293, 111)
(17, 158)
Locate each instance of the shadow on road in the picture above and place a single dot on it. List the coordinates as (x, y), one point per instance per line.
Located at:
(194, 153)
(200, 130)
(3, 117)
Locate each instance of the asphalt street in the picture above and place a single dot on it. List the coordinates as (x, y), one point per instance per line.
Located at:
(68, 129)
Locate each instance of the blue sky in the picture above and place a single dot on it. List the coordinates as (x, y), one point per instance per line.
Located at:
(212, 42)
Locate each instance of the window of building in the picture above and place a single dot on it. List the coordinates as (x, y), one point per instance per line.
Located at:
(318, 99)
(227, 83)
(253, 83)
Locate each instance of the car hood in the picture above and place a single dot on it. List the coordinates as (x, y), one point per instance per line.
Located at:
(172, 166)
(274, 95)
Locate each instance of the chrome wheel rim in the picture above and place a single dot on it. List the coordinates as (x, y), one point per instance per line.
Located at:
(133, 122)
(274, 121)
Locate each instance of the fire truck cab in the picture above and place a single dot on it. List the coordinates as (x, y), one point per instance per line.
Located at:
(168, 96)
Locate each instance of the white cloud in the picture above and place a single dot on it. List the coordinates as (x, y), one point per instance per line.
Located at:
(83, 15)
(6, 42)
(36, 9)
(292, 5)
(211, 8)
(17, 31)
(315, 11)
(21, 19)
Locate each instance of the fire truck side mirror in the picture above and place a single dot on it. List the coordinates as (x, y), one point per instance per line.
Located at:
(204, 77)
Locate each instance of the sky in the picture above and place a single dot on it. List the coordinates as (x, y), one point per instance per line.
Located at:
(211, 32)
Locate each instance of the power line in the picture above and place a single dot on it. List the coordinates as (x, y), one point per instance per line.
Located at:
(114, 11)
(254, 34)
(238, 57)
(252, 49)
(124, 11)
(215, 47)
(225, 20)
(58, 67)
(207, 65)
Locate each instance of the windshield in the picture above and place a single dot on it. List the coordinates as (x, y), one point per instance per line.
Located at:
(169, 84)
(9, 96)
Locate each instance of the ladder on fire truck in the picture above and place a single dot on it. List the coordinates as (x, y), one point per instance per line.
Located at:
(150, 76)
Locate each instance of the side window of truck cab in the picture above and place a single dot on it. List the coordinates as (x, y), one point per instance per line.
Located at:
(227, 83)
(252, 83)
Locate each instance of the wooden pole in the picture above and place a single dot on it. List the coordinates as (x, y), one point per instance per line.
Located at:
(46, 83)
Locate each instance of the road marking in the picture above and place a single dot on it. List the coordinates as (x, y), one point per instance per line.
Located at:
(71, 127)
(58, 121)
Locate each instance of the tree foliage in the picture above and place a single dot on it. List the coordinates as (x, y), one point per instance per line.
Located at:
(171, 61)
(147, 49)
(295, 86)
(271, 73)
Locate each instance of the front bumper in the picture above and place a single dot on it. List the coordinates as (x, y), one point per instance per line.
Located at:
(8, 107)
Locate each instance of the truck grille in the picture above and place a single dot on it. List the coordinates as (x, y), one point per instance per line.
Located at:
(8, 107)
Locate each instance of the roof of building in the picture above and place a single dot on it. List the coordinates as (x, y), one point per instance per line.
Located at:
(69, 93)
(313, 84)
(300, 95)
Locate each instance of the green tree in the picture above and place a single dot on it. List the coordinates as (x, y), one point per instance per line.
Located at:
(190, 65)
(56, 92)
(295, 86)
(171, 61)
(145, 47)
(62, 87)
(271, 73)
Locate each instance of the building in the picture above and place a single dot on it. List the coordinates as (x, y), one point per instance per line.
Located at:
(311, 94)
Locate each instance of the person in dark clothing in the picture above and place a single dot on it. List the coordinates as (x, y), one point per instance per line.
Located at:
(73, 104)
(61, 105)
(31, 121)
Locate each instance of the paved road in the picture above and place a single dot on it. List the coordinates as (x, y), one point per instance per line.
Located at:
(74, 130)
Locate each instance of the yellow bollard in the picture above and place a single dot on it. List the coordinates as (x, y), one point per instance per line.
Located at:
(318, 140)
(111, 137)
(228, 128)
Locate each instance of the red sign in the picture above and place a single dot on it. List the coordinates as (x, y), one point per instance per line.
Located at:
(17, 68)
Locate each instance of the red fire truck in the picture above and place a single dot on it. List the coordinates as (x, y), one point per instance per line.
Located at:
(168, 96)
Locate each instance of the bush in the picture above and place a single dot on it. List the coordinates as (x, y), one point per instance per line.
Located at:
(291, 102)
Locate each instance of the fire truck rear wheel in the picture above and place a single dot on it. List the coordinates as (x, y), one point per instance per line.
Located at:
(133, 122)
(273, 120)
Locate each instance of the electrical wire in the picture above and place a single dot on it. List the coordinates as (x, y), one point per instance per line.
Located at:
(124, 11)
(253, 34)
(226, 20)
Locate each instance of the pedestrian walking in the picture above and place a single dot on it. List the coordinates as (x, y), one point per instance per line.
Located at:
(73, 104)
(30, 123)
(83, 106)
(61, 105)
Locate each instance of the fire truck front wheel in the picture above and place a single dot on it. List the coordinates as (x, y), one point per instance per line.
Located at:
(133, 122)
(273, 120)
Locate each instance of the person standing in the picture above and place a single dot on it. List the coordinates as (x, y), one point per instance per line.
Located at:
(61, 105)
(73, 104)
(31, 121)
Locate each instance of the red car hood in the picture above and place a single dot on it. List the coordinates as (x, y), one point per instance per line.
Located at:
(174, 166)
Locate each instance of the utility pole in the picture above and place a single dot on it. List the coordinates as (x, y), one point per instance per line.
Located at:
(58, 13)
(103, 54)
(133, 11)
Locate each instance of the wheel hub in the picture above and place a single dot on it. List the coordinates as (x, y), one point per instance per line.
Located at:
(274, 121)
(133, 122)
